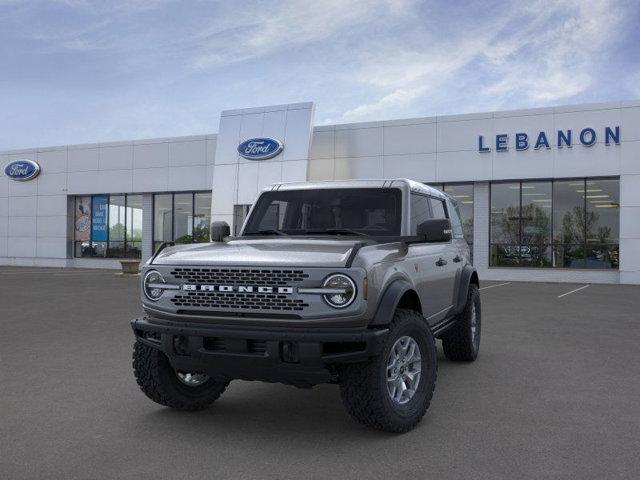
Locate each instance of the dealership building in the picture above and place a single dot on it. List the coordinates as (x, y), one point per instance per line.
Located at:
(547, 194)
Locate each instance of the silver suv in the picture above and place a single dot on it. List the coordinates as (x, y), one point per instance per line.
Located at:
(333, 282)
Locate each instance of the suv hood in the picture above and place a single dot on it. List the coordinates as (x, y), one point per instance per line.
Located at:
(261, 252)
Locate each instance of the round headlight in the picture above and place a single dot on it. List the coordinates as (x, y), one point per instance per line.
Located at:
(152, 285)
(344, 290)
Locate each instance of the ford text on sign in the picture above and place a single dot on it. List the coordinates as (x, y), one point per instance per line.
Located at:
(260, 148)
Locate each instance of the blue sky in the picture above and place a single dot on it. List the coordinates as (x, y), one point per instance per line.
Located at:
(76, 71)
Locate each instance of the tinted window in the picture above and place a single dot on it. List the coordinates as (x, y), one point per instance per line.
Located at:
(371, 211)
(437, 207)
(420, 211)
(463, 197)
(454, 216)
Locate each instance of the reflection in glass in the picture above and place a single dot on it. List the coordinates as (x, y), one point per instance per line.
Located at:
(603, 211)
(463, 194)
(134, 226)
(183, 217)
(117, 220)
(201, 217)
(535, 215)
(420, 211)
(162, 219)
(82, 226)
(240, 213)
(568, 212)
(564, 224)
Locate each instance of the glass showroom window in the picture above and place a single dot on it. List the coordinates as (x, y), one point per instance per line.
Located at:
(181, 217)
(108, 226)
(564, 224)
(586, 223)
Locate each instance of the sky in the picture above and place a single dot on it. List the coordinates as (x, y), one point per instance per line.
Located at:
(80, 71)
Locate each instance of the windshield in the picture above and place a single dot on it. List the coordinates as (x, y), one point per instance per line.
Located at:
(335, 211)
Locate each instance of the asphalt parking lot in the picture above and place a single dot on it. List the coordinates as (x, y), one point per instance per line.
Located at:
(555, 393)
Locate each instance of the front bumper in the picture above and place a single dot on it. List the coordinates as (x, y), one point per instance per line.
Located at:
(301, 358)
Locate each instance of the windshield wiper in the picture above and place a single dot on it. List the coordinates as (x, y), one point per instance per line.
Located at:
(266, 232)
(336, 231)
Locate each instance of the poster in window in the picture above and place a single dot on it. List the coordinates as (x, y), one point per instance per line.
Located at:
(83, 219)
(99, 220)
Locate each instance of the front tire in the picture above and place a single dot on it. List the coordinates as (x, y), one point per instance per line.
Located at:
(162, 384)
(462, 342)
(378, 393)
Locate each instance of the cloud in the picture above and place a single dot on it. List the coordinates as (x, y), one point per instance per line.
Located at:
(554, 63)
(541, 53)
(126, 69)
(286, 25)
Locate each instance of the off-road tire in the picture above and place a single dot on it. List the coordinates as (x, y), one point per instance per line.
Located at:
(458, 343)
(363, 386)
(159, 381)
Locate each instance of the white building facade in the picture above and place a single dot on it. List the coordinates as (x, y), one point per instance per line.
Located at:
(549, 194)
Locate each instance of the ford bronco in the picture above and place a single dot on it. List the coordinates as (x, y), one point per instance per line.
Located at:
(346, 282)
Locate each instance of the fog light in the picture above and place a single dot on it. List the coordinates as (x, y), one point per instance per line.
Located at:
(289, 352)
(181, 345)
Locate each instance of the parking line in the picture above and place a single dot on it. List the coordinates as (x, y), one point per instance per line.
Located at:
(496, 285)
(573, 291)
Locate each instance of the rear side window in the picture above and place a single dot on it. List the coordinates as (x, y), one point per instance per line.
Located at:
(420, 211)
(438, 209)
(454, 216)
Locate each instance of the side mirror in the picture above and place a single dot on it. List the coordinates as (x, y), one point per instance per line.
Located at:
(435, 230)
(219, 230)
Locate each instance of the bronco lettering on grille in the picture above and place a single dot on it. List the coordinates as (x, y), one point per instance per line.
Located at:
(237, 289)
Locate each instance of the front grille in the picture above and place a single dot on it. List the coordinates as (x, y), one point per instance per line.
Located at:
(246, 301)
(239, 276)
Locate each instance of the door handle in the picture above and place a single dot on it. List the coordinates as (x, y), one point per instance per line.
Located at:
(457, 258)
(441, 262)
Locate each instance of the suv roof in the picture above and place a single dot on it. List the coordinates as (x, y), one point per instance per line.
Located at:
(373, 183)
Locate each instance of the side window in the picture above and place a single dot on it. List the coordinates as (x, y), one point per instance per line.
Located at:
(437, 206)
(454, 215)
(420, 211)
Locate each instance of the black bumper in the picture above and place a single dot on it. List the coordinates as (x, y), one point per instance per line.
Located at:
(299, 357)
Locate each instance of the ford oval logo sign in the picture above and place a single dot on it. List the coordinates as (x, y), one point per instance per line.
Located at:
(22, 170)
(260, 148)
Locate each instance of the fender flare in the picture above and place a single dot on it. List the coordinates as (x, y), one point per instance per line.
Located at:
(468, 272)
(389, 301)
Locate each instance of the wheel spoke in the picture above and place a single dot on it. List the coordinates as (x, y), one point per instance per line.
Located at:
(403, 369)
(401, 388)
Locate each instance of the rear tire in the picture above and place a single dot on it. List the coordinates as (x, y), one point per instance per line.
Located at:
(364, 386)
(461, 343)
(161, 383)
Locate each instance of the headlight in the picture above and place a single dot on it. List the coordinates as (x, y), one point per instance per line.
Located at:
(153, 285)
(344, 290)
